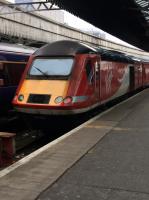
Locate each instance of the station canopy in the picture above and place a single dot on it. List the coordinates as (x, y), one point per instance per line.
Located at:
(125, 19)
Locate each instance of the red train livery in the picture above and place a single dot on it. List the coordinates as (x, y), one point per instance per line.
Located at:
(68, 77)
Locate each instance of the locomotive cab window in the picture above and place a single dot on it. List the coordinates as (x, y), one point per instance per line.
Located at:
(51, 67)
(89, 72)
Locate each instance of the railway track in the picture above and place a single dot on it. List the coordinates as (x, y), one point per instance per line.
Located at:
(29, 139)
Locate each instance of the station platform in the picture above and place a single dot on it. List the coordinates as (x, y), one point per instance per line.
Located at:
(106, 158)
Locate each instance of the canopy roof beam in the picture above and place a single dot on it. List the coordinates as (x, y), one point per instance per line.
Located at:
(27, 7)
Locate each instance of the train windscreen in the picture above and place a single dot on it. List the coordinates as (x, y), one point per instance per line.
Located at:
(51, 67)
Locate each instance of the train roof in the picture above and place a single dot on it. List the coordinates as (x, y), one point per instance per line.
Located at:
(64, 48)
(113, 55)
(16, 48)
(71, 48)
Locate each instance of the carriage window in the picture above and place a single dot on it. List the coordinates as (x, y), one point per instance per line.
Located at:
(89, 72)
(51, 67)
(1, 74)
(1, 70)
(10, 73)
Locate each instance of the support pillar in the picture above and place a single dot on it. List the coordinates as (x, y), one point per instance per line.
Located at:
(7, 148)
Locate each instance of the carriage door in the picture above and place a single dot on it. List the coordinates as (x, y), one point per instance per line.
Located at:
(91, 68)
(131, 78)
(143, 75)
(97, 76)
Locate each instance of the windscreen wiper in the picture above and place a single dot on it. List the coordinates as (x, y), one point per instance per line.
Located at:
(46, 75)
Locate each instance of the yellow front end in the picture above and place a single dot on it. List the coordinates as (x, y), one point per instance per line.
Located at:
(54, 88)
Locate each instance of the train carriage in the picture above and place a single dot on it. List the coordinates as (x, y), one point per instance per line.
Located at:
(13, 59)
(68, 77)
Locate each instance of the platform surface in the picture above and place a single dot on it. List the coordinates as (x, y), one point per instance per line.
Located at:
(108, 159)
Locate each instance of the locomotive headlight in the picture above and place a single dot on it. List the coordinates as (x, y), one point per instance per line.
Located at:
(68, 100)
(21, 97)
(58, 100)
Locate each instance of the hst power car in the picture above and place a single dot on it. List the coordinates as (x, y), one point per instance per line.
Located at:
(68, 77)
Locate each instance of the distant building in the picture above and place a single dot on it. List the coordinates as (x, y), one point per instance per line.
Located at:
(27, 8)
(23, 1)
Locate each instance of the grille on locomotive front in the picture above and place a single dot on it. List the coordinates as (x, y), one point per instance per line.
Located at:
(39, 98)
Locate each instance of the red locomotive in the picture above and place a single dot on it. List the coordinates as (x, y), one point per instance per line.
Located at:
(68, 77)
